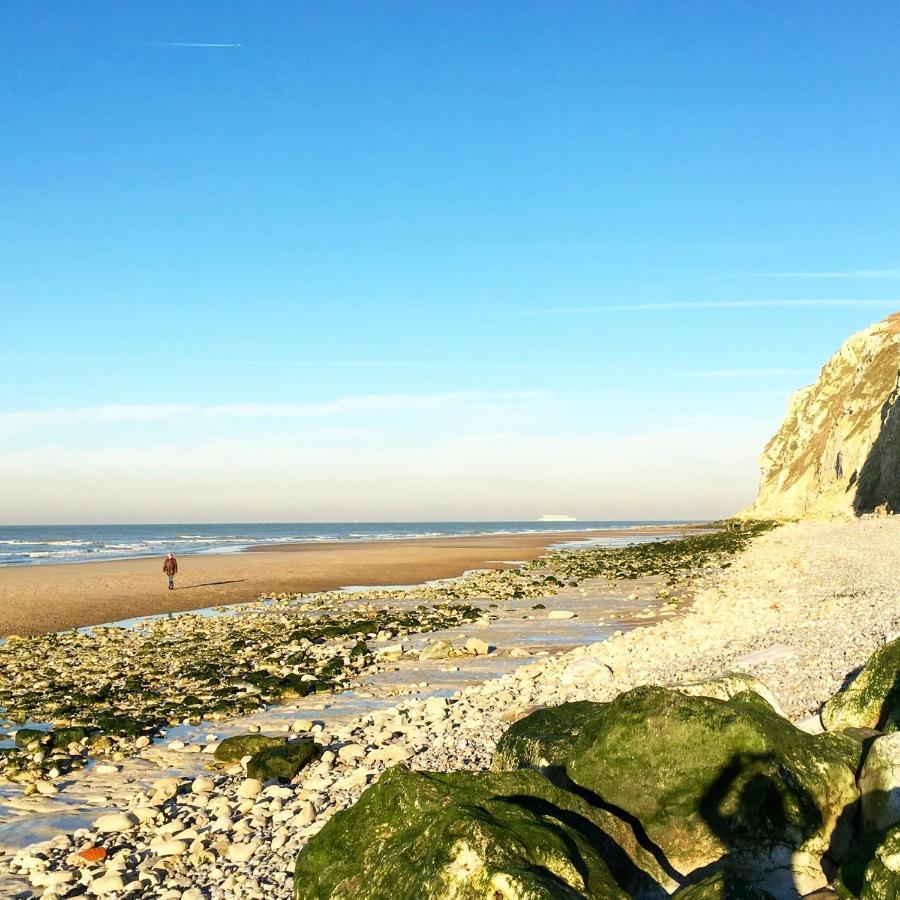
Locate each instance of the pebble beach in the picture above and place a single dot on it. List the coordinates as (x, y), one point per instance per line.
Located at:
(800, 608)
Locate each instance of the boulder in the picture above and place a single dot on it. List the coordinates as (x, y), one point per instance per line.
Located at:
(472, 836)
(872, 871)
(234, 749)
(478, 647)
(722, 886)
(879, 784)
(544, 738)
(727, 686)
(283, 763)
(33, 738)
(586, 670)
(116, 822)
(710, 779)
(437, 650)
(872, 699)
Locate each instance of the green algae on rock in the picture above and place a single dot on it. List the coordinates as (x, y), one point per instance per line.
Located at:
(728, 685)
(872, 870)
(128, 683)
(879, 783)
(473, 836)
(722, 886)
(235, 748)
(284, 762)
(872, 699)
(544, 738)
(710, 778)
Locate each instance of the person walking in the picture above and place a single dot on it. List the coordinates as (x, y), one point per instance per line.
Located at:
(170, 567)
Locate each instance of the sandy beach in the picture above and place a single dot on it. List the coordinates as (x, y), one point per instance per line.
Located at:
(38, 599)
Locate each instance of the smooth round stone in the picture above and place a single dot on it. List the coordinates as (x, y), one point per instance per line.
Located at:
(112, 823)
(238, 853)
(170, 847)
(249, 788)
(349, 752)
(203, 784)
(107, 884)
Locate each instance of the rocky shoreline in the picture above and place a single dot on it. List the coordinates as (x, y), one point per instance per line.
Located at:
(780, 612)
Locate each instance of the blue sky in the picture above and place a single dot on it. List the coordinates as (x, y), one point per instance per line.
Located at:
(429, 260)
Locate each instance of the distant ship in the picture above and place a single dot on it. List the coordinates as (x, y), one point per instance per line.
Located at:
(557, 519)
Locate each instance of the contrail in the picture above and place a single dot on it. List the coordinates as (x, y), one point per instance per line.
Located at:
(702, 304)
(189, 44)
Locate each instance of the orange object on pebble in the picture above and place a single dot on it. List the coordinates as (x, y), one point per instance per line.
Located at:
(774, 606)
(93, 854)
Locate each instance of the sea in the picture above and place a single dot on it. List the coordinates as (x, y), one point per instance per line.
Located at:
(32, 545)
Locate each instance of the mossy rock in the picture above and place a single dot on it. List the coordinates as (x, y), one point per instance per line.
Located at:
(474, 836)
(290, 687)
(284, 762)
(123, 726)
(853, 745)
(544, 738)
(872, 699)
(872, 870)
(711, 778)
(360, 648)
(71, 734)
(722, 886)
(33, 737)
(57, 739)
(729, 685)
(234, 749)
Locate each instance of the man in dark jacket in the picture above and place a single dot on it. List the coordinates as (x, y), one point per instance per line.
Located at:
(170, 567)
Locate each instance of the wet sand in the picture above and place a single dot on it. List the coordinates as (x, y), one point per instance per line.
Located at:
(38, 599)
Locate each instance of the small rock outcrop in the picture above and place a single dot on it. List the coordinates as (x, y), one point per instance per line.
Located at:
(474, 836)
(872, 699)
(712, 779)
(544, 738)
(837, 452)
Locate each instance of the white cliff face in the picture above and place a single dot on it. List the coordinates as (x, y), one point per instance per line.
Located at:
(837, 452)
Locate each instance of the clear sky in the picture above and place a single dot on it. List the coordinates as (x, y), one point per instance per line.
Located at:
(415, 260)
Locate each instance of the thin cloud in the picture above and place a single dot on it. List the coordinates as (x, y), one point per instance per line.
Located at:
(193, 44)
(848, 273)
(707, 304)
(124, 414)
(746, 373)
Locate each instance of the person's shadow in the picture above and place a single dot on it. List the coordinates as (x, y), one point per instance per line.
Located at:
(755, 814)
(188, 587)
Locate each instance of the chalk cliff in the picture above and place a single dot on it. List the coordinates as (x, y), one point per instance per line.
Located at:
(837, 452)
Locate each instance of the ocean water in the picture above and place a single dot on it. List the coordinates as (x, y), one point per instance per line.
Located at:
(29, 545)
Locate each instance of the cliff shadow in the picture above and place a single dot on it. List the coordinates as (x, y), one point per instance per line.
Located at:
(877, 482)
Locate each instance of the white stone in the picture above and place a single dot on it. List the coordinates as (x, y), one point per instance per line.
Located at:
(202, 784)
(349, 752)
(478, 647)
(168, 846)
(879, 783)
(238, 853)
(249, 788)
(107, 884)
(586, 670)
(113, 823)
(392, 754)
